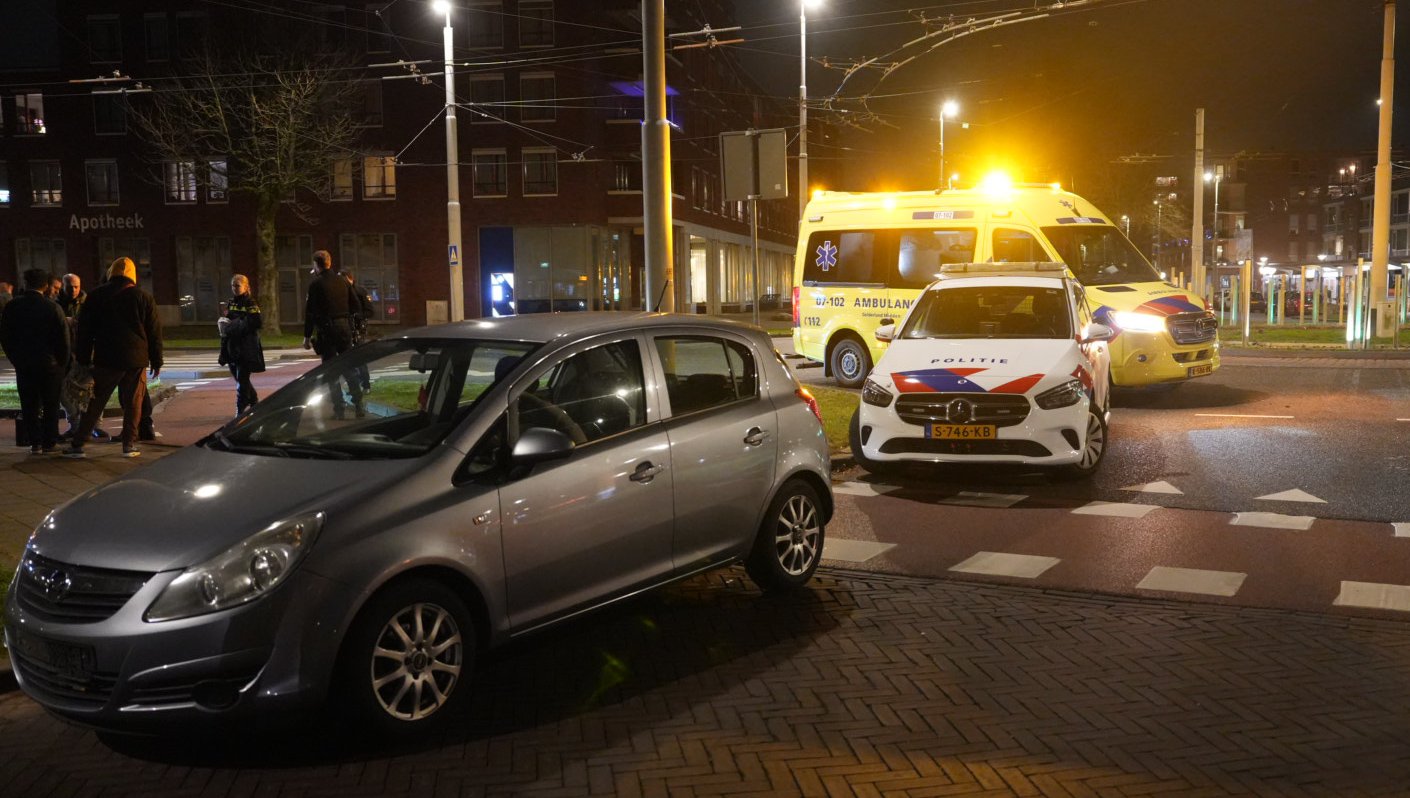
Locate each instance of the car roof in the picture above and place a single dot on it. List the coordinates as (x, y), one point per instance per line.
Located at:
(544, 327)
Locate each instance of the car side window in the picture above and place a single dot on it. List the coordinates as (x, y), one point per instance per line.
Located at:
(704, 372)
(1017, 246)
(1079, 300)
(588, 396)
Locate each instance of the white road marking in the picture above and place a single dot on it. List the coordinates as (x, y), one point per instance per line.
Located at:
(1156, 487)
(1116, 509)
(990, 563)
(1402, 529)
(863, 489)
(1374, 596)
(1293, 495)
(1236, 415)
(853, 550)
(1273, 520)
(968, 498)
(1192, 580)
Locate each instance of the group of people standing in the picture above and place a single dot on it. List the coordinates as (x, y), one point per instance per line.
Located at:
(110, 338)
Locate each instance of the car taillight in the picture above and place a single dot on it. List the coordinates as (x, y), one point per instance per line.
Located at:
(810, 400)
(795, 306)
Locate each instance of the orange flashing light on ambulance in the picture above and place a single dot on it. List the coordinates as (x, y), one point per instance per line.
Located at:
(863, 258)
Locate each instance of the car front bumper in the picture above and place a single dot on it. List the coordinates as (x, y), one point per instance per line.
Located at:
(1044, 437)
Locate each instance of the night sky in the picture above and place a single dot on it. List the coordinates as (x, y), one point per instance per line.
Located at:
(1062, 98)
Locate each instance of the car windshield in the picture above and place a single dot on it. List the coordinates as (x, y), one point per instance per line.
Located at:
(1100, 255)
(385, 399)
(1000, 311)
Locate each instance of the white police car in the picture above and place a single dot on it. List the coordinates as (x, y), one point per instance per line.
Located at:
(996, 363)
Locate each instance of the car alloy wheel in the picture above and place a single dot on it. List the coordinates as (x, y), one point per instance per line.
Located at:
(1096, 442)
(797, 536)
(417, 661)
(790, 541)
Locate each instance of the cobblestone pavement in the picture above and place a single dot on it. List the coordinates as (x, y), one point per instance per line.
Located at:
(865, 685)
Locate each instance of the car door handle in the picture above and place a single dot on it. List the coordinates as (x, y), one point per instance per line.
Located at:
(645, 472)
(755, 436)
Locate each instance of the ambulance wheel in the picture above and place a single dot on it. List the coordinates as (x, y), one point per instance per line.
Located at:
(854, 437)
(1093, 449)
(850, 363)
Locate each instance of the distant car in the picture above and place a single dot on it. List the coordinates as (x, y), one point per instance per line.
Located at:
(1257, 303)
(994, 363)
(501, 476)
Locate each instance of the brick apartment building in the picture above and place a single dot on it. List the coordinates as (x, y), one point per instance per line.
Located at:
(549, 109)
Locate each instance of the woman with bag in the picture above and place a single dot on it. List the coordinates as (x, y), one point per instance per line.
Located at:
(240, 346)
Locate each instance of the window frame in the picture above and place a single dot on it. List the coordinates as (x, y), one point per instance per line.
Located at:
(646, 361)
(530, 113)
(54, 196)
(476, 164)
(22, 126)
(479, 118)
(524, 162)
(113, 20)
(726, 341)
(179, 181)
(385, 165)
(543, 25)
(115, 192)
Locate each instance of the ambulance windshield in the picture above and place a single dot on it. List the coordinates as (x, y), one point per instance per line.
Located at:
(1100, 255)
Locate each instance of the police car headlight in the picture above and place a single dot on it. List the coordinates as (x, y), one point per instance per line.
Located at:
(1138, 322)
(1065, 395)
(241, 573)
(876, 395)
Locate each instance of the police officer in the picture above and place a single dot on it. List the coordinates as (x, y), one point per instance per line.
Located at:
(329, 312)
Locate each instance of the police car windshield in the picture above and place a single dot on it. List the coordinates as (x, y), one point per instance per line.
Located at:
(1003, 311)
(387, 399)
(1100, 255)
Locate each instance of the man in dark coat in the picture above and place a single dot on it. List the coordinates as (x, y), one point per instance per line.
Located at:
(328, 326)
(119, 336)
(36, 339)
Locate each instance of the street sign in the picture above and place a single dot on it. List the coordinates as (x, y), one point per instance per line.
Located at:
(754, 164)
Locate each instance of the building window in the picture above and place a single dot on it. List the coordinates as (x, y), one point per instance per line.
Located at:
(372, 103)
(154, 36)
(46, 183)
(491, 168)
(332, 26)
(217, 180)
(293, 254)
(109, 115)
(626, 175)
(29, 114)
(139, 249)
(191, 33)
(378, 27)
(1293, 224)
(535, 23)
(202, 276)
(487, 99)
(342, 186)
(486, 25)
(379, 177)
(372, 260)
(49, 254)
(4, 185)
(104, 38)
(179, 180)
(540, 171)
(536, 97)
(102, 182)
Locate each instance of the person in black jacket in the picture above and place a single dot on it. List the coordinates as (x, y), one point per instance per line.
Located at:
(240, 346)
(360, 327)
(36, 339)
(119, 336)
(328, 327)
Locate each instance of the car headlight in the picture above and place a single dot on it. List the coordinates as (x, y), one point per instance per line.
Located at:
(1069, 393)
(241, 573)
(1138, 322)
(874, 394)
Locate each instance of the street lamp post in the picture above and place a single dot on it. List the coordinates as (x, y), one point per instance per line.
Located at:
(948, 108)
(1126, 221)
(1215, 176)
(453, 251)
(1155, 246)
(803, 105)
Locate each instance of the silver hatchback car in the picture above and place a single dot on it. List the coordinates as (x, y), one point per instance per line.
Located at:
(361, 534)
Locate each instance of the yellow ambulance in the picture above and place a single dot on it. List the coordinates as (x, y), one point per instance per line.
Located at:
(863, 258)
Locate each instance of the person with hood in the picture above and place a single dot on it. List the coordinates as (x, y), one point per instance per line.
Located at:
(36, 340)
(119, 337)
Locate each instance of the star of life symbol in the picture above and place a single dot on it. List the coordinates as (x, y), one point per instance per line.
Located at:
(827, 256)
(1069, 204)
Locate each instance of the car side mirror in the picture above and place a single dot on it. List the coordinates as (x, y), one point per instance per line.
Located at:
(539, 445)
(1098, 332)
(886, 331)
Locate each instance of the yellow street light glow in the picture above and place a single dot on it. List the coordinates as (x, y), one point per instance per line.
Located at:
(440, 6)
(996, 182)
(950, 109)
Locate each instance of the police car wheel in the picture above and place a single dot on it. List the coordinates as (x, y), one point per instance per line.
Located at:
(854, 438)
(1093, 448)
(789, 544)
(406, 664)
(850, 363)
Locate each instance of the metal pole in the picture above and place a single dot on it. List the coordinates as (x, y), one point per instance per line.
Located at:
(1214, 250)
(656, 161)
(754, 234)
(942, 146)
(1196, 274)
(1245, 296)
(1380, 215)
(453, 248)
(802, 109)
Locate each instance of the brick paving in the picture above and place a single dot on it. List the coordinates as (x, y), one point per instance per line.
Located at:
(865, 685)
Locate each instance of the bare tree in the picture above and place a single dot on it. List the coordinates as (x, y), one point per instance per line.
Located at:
(267, 125)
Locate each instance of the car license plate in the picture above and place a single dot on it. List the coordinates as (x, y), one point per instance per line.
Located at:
(963, 432)
(1200, 371)
(67, 659)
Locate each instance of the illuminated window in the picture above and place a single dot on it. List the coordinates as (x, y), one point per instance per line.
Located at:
(379, 177)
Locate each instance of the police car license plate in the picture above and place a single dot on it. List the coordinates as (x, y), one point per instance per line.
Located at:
(1200, 371)
(963, 432)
